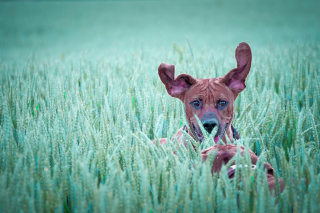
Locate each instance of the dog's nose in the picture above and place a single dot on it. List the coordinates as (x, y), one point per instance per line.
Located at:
(209, 125)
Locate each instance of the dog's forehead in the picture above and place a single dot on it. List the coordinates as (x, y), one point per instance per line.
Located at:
(209, 87)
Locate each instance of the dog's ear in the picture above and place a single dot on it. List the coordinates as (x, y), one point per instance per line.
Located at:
(175, 86)
(235, 78)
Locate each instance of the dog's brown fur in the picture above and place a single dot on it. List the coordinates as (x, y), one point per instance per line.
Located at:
(204, 98)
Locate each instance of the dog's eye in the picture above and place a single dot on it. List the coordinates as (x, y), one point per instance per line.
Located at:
(222, 104)
(196, 104)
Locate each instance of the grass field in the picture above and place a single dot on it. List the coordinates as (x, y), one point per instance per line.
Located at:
(80, 88)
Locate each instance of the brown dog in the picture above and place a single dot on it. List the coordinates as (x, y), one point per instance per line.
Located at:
(212, 101)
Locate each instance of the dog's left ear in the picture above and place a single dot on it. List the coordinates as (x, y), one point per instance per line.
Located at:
(175, 86)
(235, 78)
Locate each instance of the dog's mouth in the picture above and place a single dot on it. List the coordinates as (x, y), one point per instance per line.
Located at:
(198, 133)
(218, 131)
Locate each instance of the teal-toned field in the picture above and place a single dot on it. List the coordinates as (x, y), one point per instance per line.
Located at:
(81, 100)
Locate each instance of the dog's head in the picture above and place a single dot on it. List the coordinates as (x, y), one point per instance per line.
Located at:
(210, 99)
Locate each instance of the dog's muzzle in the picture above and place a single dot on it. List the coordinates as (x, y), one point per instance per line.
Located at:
(210, 121)
(210, 124)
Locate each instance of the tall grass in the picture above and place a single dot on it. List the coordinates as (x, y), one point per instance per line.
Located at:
(67, 128)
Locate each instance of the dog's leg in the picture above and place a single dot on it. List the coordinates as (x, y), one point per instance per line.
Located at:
(177, 136)
(226, 152)
(272, 184)
(161, 140)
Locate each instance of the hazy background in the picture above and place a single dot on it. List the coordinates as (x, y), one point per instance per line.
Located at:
(108, 29)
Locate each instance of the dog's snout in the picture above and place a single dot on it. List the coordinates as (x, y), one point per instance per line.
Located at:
(209, 125)
(210, 121)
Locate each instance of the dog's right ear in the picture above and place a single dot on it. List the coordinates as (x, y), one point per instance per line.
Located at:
(175, 86)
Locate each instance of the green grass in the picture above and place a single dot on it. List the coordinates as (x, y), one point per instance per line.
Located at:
(69, 118)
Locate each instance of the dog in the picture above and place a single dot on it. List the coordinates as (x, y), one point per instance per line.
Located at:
(212, 101)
